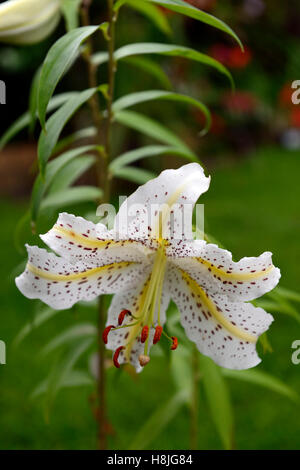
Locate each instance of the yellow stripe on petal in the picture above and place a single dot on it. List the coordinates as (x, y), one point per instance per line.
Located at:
(75, 276)
(215, 311)
(89, 242)
(234, 276)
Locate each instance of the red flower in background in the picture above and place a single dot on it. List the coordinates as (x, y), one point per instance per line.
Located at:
(218, 124)
(239, 59)
(295, 117)
(232, 57)
(285, 95)
(240, 102)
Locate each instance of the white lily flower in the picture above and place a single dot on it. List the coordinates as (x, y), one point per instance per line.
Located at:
(28, 21)
(150, 267)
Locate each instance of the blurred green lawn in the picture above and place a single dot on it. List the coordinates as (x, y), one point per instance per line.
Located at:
(252, 206)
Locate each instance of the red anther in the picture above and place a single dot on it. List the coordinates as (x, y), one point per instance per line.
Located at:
(157, 334)
(145, 333)
(175, 343)
(122, 316)
(116, 356)
(105, 333)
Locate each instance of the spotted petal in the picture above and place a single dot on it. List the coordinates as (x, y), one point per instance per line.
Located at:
(79, 240)
(134, 301)
(60, 284)
(223, 330)
(213, 268)
(163, 206)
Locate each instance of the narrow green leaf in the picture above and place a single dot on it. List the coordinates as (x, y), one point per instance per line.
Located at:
(148, 151)
(165, 50)
(153, 13)
(63, 369)
(71, 196)
(218, 398)
(71, 172)
(41, 185)
(74, 332)
(70, 10)
(56, 123)
(136, 175)
(179, 6)
(40, 318)
(24, 121)
(261, 378)
(182, 372)
(33, 97)
(60, 374)
(158, 420)
(150, 95)
(288, 293)
(58, 60)
(151, 68)
(74, 378)
(70, 139)
(151, 128)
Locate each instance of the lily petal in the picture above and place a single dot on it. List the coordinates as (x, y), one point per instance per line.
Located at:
(60, 284)
(213, 268)
(28, 21)
(133, 300)
(223, 330)
(173, 195)
(77, 239)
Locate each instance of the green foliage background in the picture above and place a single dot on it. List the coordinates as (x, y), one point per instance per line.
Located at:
(252, 206)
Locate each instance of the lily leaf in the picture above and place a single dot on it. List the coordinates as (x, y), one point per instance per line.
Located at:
(24, 121)
(71, 196)
(261, 378)
(70, 10)
(136, 175)
(172, 50)
(56, 123)
(41, 185)
(145, 152)
(153, 13)
(74, 332)
(58, 61)
(218, 399)
(158, 420)
(179, 6)
(39, 319)
(150, 95)
(151, 128)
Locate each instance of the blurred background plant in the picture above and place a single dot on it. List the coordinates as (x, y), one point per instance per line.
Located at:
(252, 151)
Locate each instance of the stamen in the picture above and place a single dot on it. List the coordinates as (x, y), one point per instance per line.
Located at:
(157, 334)
(144, 334)
(122, 316)
(175, 343)
(144, 360)
(116, 356)
(106, 332)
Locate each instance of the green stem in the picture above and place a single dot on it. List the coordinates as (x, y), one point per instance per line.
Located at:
(104, 184)
(111, 87)
(93, 83)
(194, 409)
